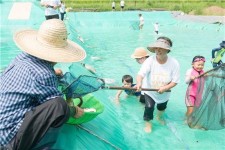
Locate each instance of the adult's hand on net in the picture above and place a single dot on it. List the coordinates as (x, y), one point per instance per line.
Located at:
(79, 112)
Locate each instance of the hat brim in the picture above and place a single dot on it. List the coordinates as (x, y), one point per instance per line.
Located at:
(152, 48)
(27, 41)
(135, 56)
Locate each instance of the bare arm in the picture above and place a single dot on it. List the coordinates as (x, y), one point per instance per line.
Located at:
(57, 6)
(167, 87)
(118, 94)
(139, 82)
(44, 4)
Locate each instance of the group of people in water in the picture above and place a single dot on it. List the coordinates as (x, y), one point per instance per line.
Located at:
(141, 24)
(161, 72)
(32, 105)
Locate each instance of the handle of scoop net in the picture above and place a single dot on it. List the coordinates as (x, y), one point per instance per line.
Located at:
(222, 65)
(129, 88)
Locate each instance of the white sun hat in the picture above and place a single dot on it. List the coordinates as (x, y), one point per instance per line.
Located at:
(160, 43)
(50, 43)
(139, 53)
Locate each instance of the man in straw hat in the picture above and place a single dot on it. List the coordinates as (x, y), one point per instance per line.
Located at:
(140, 54)
(163, 73)
(30, 103)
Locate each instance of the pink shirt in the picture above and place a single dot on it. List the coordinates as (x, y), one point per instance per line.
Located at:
(195, 88)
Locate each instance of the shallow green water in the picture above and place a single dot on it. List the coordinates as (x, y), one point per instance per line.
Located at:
(113, 36)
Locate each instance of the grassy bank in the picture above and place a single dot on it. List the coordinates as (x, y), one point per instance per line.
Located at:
(186, 6)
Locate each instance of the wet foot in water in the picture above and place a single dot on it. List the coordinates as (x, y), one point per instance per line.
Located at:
(185, 122)
(161, 120)
(197, 127)
(148, 127)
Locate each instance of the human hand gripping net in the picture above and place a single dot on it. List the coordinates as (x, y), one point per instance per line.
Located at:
(79, 88)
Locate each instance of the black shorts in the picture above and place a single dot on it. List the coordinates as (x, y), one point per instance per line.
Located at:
(52, 17)
(142, 99)
(149, 107)
(122, 7)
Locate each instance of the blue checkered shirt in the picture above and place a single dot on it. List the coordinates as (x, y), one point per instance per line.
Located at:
(25, 84)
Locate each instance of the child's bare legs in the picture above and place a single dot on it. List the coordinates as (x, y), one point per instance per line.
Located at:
(160, 118)
(188, 121)
(148, 127)
(188, 113)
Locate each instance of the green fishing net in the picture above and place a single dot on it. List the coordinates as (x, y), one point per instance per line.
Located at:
(81, 87)
(209, 109)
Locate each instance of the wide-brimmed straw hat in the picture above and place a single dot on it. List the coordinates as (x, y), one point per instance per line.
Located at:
(50, 43)
(222, 44)
(139, 53)
(160, 43)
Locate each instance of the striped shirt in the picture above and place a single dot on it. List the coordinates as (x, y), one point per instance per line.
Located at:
(26, 83)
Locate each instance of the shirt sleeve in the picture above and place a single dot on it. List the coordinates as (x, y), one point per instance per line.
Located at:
(45, 88)
(176, 72)
(188, 76)
(145, 67)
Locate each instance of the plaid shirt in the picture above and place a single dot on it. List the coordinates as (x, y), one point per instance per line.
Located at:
(25, 84)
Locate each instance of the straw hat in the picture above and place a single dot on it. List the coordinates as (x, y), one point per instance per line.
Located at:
(160, 43)
(50, 43)
(139, 53)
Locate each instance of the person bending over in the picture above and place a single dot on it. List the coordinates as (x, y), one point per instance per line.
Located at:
(30, 102)
(127, 81)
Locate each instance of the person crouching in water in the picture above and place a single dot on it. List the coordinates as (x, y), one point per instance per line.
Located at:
(163, 73)
(32, 107)
(127, 81)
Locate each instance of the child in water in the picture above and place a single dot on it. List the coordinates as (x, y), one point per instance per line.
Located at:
(140, 54)
(127, 81)
(195, 88)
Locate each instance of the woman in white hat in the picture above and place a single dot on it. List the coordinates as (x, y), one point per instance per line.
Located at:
(30, 102)
(140, 54)
(163, 73)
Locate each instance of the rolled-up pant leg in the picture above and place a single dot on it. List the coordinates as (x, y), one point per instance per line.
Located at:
(149, 108)
(37, 122)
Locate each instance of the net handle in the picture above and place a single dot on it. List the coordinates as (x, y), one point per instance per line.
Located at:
(223, 64)
(130, 88)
